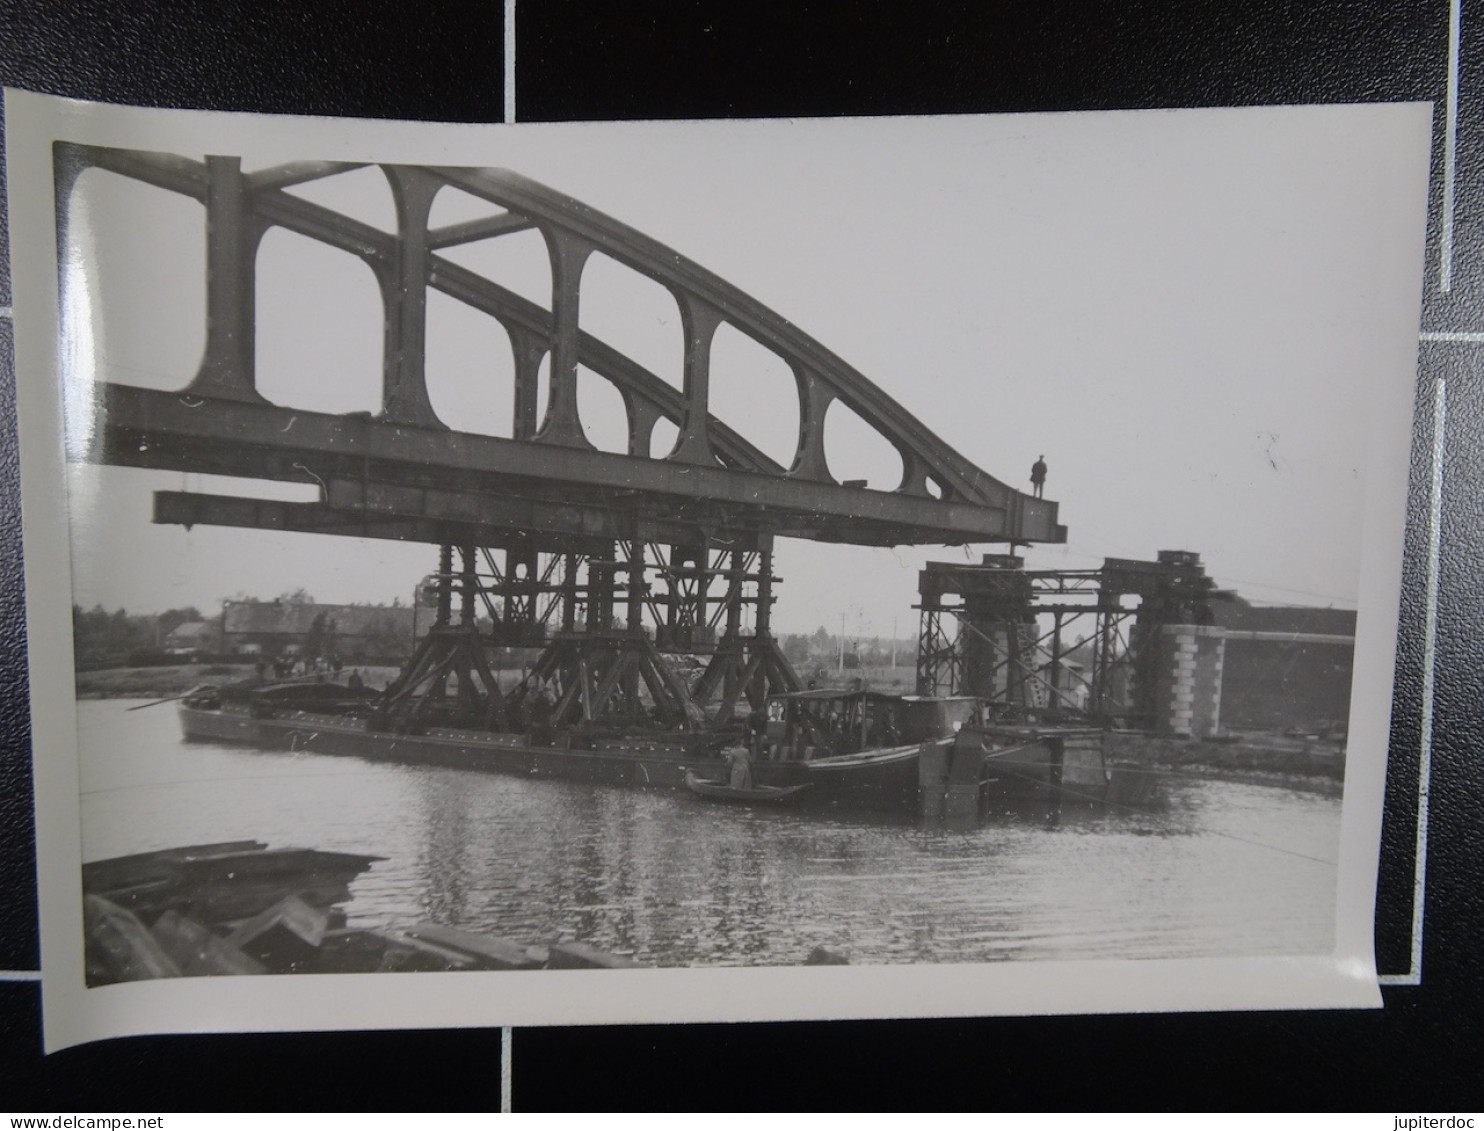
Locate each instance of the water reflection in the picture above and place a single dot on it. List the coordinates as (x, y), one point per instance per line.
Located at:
(1219, 868)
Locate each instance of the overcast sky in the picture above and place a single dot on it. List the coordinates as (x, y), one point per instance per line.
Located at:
(1182, 310)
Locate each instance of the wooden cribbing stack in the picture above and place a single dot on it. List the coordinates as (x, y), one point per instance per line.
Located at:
(239, 907)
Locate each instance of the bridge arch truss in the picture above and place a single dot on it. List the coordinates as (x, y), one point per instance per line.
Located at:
(700, 519)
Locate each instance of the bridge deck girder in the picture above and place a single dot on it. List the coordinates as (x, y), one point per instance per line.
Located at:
(366, 465)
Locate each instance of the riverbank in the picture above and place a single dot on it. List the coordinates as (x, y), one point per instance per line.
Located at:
(156, 682)
(177, 679)
(1317, 765)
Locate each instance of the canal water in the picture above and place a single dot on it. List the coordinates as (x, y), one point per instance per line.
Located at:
(1217, 869)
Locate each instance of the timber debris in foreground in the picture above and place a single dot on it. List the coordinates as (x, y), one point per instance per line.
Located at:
(239, 907)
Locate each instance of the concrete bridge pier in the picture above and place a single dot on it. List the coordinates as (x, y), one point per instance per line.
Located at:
(1188, 687)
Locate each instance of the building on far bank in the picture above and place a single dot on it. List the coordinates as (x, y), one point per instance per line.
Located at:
(191, 638)
(1285, 666)
(352, 633)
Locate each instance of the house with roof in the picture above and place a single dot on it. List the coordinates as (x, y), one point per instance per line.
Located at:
(191, 638)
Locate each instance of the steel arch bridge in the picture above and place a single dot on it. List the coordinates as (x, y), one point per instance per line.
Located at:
(584, 532)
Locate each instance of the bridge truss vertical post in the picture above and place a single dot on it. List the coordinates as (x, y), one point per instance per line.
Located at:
(643, 416)
(563, 423)
(232, 237)
(404, 291)
(527, 350)
(700, 321)
(815, 398)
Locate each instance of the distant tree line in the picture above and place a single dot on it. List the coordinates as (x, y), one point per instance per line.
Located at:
(101, 639)
(822, 648)
(372, 634)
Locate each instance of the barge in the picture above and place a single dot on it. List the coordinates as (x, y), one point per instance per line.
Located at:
(856, 745)
(990, 767)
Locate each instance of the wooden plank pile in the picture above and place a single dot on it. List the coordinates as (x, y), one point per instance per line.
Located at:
(239, 907)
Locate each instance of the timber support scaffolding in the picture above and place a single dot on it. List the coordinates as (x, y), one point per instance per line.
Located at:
(619, 631)
(1057, 645)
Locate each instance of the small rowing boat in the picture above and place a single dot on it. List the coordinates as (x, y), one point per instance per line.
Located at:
(720, 791)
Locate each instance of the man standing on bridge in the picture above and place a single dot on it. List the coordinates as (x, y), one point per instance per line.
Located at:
(1038, 476)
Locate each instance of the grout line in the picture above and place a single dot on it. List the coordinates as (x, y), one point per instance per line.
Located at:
(1450, 148)
(505, 1035)
(6, 313)
(1413, 976)
(1474, 337)
(510, 61)
(20, 975)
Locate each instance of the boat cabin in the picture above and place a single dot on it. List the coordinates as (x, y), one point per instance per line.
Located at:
(805, 725)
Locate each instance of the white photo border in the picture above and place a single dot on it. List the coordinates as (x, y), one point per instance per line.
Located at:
(73, 1013)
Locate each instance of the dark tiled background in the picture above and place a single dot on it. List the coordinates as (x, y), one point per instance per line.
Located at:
(445, 61)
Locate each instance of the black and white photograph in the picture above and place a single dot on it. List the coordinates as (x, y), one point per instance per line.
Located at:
(708, 571)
